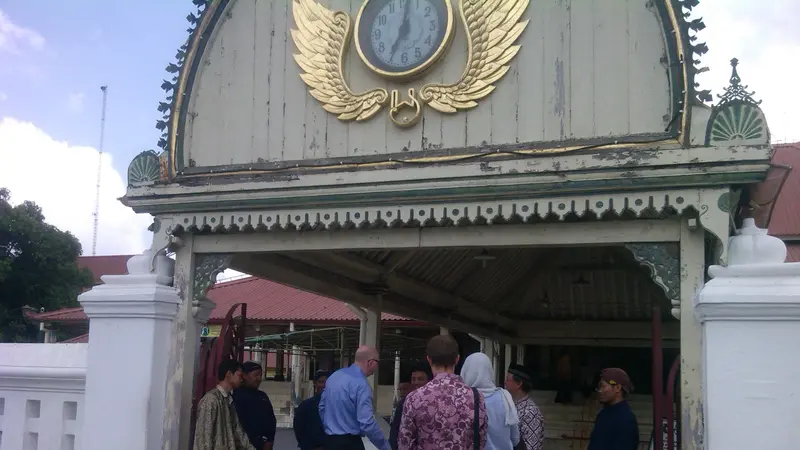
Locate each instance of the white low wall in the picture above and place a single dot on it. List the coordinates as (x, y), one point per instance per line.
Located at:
(41, 396)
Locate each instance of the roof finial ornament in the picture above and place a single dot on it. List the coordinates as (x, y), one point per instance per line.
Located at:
(736, 91)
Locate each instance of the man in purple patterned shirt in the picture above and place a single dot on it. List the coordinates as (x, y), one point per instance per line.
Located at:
(531, 421)
(442, 413)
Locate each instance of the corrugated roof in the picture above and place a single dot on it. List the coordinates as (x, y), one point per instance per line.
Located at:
(266, 300)
(786, 213)
(273, 302)
(105, 265)
(793, 253)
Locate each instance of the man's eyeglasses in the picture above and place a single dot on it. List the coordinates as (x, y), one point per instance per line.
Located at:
(611, 384)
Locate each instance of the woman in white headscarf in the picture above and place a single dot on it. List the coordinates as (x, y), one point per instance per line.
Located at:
(500, 408)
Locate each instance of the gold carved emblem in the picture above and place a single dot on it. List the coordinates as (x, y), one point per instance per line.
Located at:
(322, 38)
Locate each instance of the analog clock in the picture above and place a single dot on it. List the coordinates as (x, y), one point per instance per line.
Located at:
(400, 39)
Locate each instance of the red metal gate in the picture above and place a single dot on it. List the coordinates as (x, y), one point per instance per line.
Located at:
(666, 433)
(229, 345)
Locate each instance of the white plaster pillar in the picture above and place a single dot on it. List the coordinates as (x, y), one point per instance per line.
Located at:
(362, 323)
(481, 341)
(296, 386)
(130, 324)
(396, 375)
(373, 339)
(692, 265)
(192, 273)
(507, 360)
(750, 315)
(521, 354)
(495, 357)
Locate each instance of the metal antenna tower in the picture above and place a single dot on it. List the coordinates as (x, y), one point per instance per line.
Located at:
(96, 213)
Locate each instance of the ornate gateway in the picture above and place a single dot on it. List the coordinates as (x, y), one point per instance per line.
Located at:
(570, 180)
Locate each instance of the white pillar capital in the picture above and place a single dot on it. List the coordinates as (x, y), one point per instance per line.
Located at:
(756, 285)
(138, 295)
(130, 320)
(753, 246)
(750, 313)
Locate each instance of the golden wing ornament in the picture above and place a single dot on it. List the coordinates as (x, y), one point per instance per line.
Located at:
(322, 37)
(492, 26)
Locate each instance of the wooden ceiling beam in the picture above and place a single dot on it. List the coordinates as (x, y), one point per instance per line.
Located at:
(311, 278)
(551, 329)
(410, 286)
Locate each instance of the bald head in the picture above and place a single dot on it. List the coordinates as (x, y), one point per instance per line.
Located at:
(366, 353)
(367, 358)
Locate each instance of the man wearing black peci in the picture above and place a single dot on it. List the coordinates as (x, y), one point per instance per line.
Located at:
(254, 408)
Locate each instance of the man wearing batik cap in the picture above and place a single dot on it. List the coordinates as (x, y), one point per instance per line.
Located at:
(254, 408)
(307, 424)
(531, 422)
(615, 427)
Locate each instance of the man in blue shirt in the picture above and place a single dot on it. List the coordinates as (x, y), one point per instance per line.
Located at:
(346, 405)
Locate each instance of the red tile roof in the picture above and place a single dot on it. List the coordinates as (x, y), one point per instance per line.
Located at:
(786, 213)
(105, 265)
(272, 302)
(267, 302)
(82, 339)
(61, 315)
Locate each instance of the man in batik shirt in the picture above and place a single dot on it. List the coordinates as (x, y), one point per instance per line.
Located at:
(419, 377)
(441, 414)
(531, 421)
(218, 426)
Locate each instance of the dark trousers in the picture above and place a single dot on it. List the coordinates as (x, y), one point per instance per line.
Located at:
(564, 393)
(343, 442)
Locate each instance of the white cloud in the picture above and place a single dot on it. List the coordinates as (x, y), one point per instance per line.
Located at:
(61, 179)
(15, 39)
(764, 37)
(230, 275)
(75, 101)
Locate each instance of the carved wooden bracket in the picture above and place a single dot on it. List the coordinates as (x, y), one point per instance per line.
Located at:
(663, 260)
(207, 267)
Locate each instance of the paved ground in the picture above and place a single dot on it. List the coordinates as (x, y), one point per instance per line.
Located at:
(284, 439)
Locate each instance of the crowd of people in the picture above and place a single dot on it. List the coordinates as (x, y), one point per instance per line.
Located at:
(437, 409)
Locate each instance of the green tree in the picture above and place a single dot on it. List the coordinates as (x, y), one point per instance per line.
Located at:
(38, 268)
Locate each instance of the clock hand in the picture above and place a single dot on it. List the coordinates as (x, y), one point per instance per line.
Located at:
(403, 31)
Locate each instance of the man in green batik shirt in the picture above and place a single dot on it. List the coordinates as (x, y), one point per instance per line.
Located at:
(218, 426)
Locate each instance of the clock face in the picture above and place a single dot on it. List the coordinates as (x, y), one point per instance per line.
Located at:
(402, 38)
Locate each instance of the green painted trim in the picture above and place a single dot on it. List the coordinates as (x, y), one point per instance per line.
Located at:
(194, 67)
(532, 190)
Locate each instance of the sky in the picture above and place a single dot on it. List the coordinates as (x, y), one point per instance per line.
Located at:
(55, 55)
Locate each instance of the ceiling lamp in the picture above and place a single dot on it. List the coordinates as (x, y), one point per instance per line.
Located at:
(484, 258)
